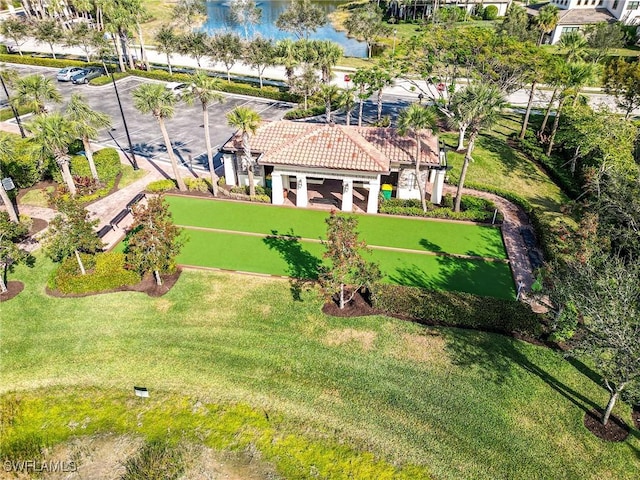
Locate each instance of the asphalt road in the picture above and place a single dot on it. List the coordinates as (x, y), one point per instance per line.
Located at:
(186, 128)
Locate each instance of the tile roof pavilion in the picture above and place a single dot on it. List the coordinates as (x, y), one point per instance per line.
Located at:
(339, 147)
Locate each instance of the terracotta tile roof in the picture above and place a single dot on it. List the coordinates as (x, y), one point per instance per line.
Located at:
(369, 149)
(576, 16)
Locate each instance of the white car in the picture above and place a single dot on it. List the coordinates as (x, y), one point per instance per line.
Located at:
(178, 88)
(66, 73)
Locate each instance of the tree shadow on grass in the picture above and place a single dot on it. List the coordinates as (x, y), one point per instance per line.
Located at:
(430, 246)
(302, 266)
(509, 158)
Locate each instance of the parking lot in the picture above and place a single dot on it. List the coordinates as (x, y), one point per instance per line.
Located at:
(186, 128)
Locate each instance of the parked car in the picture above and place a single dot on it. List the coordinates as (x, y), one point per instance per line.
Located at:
(66, 73)
(87, 74)
(178, 88)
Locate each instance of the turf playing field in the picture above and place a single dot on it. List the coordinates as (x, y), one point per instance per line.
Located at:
(255, 240)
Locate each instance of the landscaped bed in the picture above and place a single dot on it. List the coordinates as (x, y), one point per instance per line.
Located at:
(423, 256)
(233, 362)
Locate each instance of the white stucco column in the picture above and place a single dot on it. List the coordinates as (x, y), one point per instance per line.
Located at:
(438, 186)
(347, 195)
(374, 192)
(432, 176)
(229, 171)
(277, 193)
(302, 196)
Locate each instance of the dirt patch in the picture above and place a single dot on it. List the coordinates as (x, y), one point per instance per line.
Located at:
(14, 287)
(427, 348)
(366, 338)
(359, 306)
(37, 225)
(147, 285)
(614, 431)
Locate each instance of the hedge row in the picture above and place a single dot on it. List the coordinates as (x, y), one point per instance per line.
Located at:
(472, 209)
(7, 113)
(298, 113)
(45, 62)
(456, 309)
(105, 271)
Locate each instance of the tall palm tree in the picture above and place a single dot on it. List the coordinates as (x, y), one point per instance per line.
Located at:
(577, 76)
(33, 91)
(328, 94)
(546, 20)
(206, 90)
(52, 134)
(247, 120)
(328, 54)
(6, 152)
(288, 55)
(481, 104)
(167, 42)
(155, 99)
(85, 123)
(417, 119)
(347, 100)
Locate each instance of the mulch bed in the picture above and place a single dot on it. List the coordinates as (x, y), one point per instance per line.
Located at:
(38, 224)
(14, 287)
(36, 186)
(359, 306)
(147, 285)
(614, 431)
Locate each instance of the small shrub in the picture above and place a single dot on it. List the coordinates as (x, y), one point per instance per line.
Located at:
(298, 113)
(105, 79)
(239, 189)
(86, 185)
(76, 146)
(196, 184)
(105, 271)
(222, 182)
(456, 309)
(490, 12)
(162, 185)
(21, 166)
(156, 460)
(260, 199)
(447, 201)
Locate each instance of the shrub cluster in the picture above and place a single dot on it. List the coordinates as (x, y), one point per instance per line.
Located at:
(105, 79)
(456, 309)
(162, 185)
(105, 271)
(45, 62)
(196, 184)
(298, 113)
(472, 209)
(21, 166)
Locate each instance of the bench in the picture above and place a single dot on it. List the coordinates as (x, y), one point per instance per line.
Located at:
(528, 237)
(135, 200)
(104, 231)
(119, 217)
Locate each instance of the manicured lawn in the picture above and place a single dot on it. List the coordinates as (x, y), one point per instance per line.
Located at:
(301, 259)
(414, 234)
(233, 362)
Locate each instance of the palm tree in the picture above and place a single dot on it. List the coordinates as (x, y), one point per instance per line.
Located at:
(205, 89)
(416, 119)
(154, 98)
(288, 55)
(52, 134)
(347, 100)
(85, 123)
(248, 121)
(33, 91)
(362, 80)
(6, 152)
(328, 54)
(167, 42)
(481, 104)
(328, 94)
(575, 46)
(546, 20)
(577, 76)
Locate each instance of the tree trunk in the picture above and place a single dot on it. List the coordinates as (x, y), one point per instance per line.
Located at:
(13, 216)
(525, 122)
(119, 53)
(156, 274)
(80, 264)
(554, 129)
(360, 112)
(252, 185)
(465, 166)
(327, 110)
(541, 38)
(348, 117)
(548, 112)
(89, 153)
(143, 51)
(169, 64)
(462, 130)
(341, 296)
(228, 75)
(207, 141)
(379, 104)
(174, 163)
(3, 273)
(53, 53)
(66, 175)
(574, 160)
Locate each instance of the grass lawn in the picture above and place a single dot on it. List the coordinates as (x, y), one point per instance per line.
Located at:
(233, 362)
(129, 175)
(38, 197)
(302, 258)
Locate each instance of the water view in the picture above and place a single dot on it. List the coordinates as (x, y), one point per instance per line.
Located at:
(219, 18)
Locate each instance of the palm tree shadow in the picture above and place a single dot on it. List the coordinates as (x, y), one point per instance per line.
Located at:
(302, 267)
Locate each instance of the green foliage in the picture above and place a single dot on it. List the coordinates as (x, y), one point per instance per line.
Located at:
(490, 13)
(456, 309)
(298, 113)
(105, 271)
(472, 208)
(46, 62)
(21, 165)
(107, 163)
(105, 79)
(162, 185)
(11, 233)
(156, 460)
(196, 184)
(7, 113)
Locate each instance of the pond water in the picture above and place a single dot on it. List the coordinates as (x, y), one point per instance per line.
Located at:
(219, 19)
